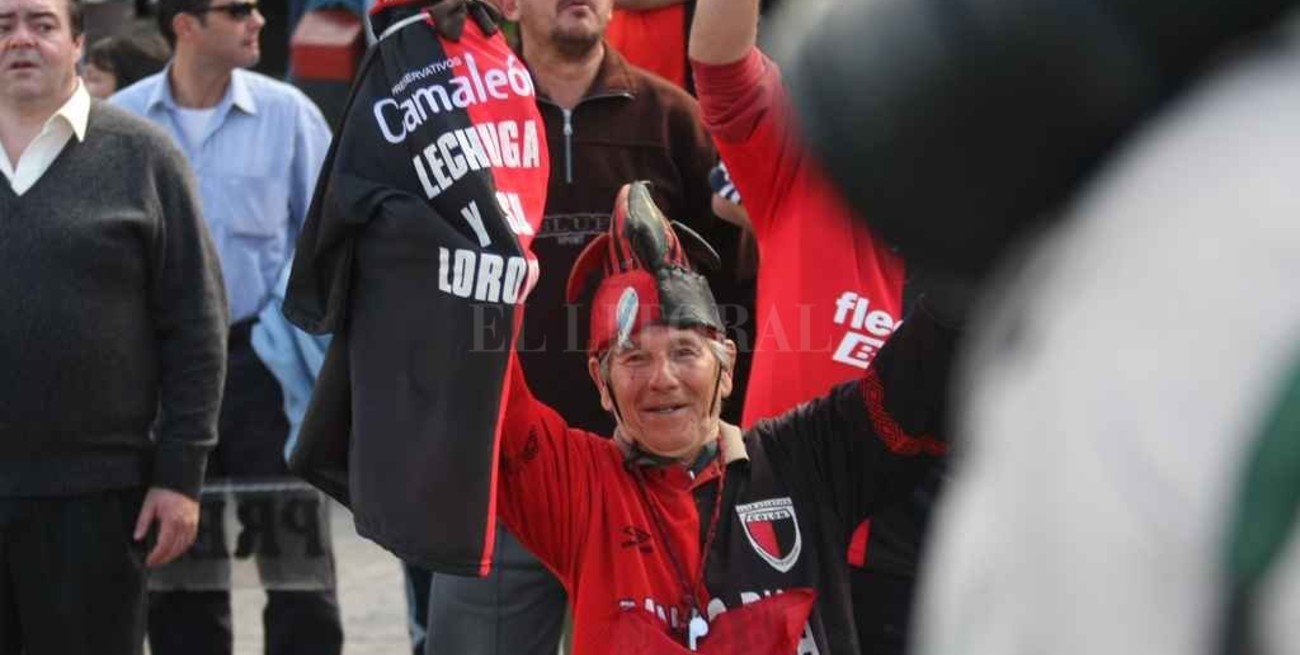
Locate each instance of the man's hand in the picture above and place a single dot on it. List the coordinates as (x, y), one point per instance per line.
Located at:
(178, 523)
(723, 31)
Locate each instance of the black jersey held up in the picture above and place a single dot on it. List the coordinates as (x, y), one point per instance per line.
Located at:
(415, 256)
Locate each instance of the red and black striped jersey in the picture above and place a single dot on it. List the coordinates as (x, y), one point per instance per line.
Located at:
(415, 255)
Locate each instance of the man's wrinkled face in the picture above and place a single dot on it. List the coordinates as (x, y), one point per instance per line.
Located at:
(38, 53)
(229, 31)
(668, 386)
(573, 26)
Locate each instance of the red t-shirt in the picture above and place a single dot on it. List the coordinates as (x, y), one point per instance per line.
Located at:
(829, 290)
(653, 39)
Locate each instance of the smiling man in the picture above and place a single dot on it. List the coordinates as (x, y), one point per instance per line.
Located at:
(683, 532)
(257, 145)
(114, 317)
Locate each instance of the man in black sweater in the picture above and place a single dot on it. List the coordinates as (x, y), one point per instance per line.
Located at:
(114, 321)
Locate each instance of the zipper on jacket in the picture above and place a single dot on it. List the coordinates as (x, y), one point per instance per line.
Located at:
(568, 145)
(568, 125)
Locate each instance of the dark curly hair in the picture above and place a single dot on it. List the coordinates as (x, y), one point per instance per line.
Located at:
(130, 55)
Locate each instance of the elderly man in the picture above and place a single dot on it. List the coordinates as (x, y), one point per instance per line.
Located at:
(114, 317)
(682, 531)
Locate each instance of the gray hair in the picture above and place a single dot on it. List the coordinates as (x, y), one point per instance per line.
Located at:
(715, 344)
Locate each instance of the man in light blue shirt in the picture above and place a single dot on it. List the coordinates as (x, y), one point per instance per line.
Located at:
(256, 145)
(256, 148)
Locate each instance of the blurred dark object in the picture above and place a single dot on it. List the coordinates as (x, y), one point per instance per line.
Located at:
(946, 296)
(449, 16)
(275, 37)
(106, 18)
(953, 126)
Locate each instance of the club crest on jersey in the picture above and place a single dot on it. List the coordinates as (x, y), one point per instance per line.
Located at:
(773, 531)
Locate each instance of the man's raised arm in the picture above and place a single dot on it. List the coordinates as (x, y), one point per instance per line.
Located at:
(724, 31)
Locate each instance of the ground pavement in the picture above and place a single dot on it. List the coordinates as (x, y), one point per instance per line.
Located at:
(371, 598)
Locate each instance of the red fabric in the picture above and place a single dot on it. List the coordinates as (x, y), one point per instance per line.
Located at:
(771, 626)
(858, 544)
(765, 535)
(653, 39)
(607, 301)
(327, 45)
(571, 525)
(521, 184)
(829, 290)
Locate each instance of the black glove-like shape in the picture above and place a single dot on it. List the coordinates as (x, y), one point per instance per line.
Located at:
(449, 17)
(944, 295)
(954, 125)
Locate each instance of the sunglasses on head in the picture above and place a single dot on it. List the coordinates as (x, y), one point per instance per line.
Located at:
(235, 10)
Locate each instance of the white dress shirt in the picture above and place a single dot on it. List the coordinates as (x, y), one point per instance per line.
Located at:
(70, 120)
